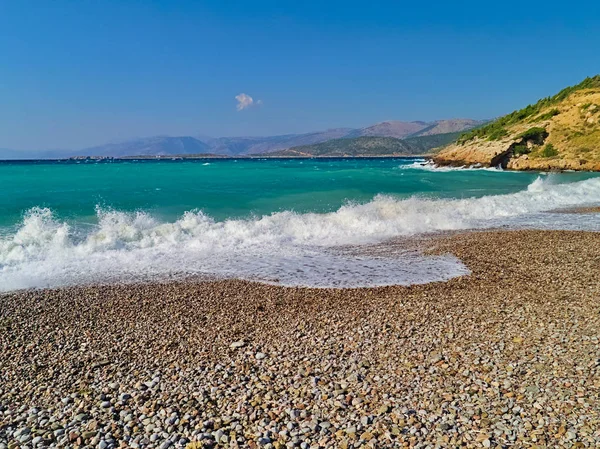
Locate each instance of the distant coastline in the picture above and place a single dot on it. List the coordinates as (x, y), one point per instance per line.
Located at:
(426, 158)
(210, 157)
(385, 138)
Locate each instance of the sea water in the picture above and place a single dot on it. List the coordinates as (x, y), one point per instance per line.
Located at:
(295, 222)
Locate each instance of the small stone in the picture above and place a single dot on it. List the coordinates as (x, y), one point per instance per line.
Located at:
(237, 344)
(366, 436)
(218, 434)
(73, 435)
(570, 435)
(436, 357)
(100, 364)
(384, 409)
(22, 431)
(260, 355)
(88, 435)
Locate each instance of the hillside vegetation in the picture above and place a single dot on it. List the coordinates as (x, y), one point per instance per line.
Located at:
(369, 146)
(557, 132)
(428, 143)
(358, 146)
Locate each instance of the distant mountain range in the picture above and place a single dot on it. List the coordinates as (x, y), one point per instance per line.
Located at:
(353, 146)
(396, 129)
(369, 146)
(235, 146)
(160, 145)
(239, 146)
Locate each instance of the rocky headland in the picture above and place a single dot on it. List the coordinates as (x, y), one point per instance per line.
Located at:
(557, 133)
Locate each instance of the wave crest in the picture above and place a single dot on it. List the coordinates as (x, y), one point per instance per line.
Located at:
(295, 249)
(429, 165)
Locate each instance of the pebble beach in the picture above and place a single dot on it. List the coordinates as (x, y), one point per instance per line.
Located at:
(506, 357)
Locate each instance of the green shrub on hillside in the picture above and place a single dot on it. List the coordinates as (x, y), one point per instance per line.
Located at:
(488, 132)
(547, 115)
(517, 116)
(537, 135)
(497, 134)
(549, 151)
(520, 149)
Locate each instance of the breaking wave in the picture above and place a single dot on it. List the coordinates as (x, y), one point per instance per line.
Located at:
(285, 248)
(428, 165)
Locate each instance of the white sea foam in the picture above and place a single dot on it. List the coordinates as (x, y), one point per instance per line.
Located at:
(285, 247)
(428, 165)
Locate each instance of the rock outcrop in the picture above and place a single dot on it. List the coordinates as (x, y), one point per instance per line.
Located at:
(557, 133)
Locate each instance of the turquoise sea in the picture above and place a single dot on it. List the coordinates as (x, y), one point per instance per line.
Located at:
(285, 221)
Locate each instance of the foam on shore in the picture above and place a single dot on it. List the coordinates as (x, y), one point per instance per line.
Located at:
(286, 247)
(428, 165)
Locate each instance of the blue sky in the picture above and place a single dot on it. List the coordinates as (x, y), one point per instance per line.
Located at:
(80, 73)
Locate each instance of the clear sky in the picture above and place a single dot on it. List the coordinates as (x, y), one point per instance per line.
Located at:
(80, 73)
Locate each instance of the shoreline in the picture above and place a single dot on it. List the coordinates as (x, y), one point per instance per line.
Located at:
(505, 356)
(581, 210)
(553, 166)
(433, 157)
(457, 156)
(179, 158)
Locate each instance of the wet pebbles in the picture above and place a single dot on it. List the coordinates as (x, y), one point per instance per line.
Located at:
(506, 357)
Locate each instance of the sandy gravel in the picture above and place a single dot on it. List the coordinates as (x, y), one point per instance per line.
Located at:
(583, 210)
(506, 357)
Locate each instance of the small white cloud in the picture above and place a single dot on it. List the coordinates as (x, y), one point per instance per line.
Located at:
(245, 101)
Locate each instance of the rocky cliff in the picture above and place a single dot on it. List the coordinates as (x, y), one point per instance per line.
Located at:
(557, 133)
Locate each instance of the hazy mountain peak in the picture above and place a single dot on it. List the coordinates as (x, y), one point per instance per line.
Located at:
(233, 146)
(149, 146)
(393, 128)
(448, 126)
